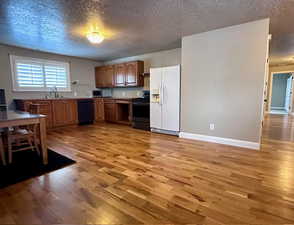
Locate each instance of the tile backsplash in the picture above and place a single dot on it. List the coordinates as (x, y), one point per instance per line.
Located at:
(123, 92)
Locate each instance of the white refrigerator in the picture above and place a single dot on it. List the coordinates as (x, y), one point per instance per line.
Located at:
(165, 99)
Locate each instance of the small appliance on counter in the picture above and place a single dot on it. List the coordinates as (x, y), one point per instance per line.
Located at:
(97, 94)
(3, 106)
(141, 112)
(102, 93)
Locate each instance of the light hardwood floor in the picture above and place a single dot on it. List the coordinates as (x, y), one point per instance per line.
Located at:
(127, 176)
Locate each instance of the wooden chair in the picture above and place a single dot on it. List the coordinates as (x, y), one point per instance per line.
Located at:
(35, 108)
(24, 138)
(2, 153)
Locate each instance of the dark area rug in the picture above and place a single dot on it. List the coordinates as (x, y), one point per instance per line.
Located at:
(28, 164)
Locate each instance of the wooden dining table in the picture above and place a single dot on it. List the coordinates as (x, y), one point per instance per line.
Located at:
(18, 118)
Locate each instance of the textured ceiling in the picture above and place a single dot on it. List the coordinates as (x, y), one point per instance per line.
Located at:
(136, 26)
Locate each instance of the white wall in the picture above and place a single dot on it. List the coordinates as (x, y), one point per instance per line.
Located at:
(223, 74)
(81, 69)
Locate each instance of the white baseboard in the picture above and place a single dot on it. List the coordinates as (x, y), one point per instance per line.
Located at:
(225, 141)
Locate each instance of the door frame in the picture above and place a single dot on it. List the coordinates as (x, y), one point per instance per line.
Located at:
(289, 109)
(271, 90)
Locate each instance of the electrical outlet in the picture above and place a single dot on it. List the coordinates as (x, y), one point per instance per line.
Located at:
(124, 94)
(138, 93)
(211, 126)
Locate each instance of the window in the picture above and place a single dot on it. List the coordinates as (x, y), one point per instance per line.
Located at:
(30, 74)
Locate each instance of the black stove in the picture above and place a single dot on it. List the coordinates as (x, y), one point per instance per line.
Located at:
(141, 112)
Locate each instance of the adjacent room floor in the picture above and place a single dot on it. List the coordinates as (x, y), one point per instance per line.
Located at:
(127, 176)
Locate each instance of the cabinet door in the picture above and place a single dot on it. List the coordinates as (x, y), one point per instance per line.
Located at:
(99, 77)
(119, 75)
(59, 113)
(131, 74)
(99, 109)
(104, 76)
(72, 112)
(134, 74)
(110, 112)
(109, 74)
(64, 112)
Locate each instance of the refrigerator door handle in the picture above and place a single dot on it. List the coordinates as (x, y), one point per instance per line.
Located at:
(162, 95)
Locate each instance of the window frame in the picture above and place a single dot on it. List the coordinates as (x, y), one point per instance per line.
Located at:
(16, 88)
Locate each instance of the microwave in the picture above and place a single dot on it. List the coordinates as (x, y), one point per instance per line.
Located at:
(97, 93)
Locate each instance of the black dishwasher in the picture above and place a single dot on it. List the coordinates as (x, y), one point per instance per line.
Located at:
(85, 111)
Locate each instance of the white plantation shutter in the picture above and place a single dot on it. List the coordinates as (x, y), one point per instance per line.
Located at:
(39, 75)
(56, 76)
(29, 75)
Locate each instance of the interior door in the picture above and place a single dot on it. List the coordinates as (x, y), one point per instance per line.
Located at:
(155, 91)
(288, 97)
(171, 98)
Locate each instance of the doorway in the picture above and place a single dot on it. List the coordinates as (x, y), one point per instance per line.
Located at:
(281, 96)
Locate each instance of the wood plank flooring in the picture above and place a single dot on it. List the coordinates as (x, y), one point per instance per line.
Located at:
(127, 176)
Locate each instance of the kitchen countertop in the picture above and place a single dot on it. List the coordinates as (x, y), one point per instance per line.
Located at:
(66, 98)
(17, 115)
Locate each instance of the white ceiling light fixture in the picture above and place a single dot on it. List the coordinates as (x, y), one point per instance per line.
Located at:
(95, 37)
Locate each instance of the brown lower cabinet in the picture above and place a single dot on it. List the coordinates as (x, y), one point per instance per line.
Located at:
(64, 112)
(59, 112)
(45, 108)
(99, 109)
(110, 110)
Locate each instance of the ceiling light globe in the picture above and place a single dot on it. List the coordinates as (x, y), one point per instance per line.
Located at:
(95, 37)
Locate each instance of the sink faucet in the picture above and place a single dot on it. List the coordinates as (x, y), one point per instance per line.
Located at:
(56, 94)
(54, 91)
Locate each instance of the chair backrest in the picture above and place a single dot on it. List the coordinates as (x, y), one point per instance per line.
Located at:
(34, 108)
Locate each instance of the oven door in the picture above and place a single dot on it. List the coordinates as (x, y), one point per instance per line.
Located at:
(141, 111)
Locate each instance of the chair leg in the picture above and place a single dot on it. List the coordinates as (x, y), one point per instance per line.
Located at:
(9, 151)
(2, 152)
(36, 144)
(31, 143)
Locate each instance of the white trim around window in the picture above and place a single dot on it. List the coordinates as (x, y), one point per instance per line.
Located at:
(31, 74)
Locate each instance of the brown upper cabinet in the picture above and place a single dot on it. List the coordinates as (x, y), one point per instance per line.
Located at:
(134, 73)
(128, 74)
(119, 75)
(104, 76)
